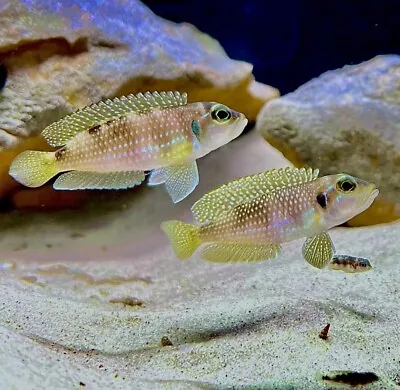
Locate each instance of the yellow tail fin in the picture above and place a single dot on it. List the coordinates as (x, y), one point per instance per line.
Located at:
(33, 169)
(184, 237)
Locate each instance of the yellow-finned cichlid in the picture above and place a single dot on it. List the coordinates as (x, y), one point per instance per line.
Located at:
(112, 144)
(249, 218)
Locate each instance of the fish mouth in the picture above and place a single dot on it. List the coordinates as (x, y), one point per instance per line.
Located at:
(242, 123)
(243, 120)
(372, 195)
(375, 192)
(239, 125)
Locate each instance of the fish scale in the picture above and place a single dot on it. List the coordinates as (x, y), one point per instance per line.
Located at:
(246, 188)
(273, 218)
(130, 142)
(113, 143)
(249, 218)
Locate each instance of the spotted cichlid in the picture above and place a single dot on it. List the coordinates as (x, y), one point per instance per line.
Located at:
(249, 218)
(112, 144)
(349, 264)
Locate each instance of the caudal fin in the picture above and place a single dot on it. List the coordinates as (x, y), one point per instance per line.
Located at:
(184, 237)
(33, 169)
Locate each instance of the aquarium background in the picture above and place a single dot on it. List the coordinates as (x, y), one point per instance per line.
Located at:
(290, 42)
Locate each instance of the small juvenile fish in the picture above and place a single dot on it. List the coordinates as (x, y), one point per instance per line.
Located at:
(350, 378)
(249, 218)
(349, 264)
(112, 144)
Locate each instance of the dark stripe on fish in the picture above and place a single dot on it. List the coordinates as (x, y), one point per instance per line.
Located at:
(60, 152)
(321, 199)
(94, 129)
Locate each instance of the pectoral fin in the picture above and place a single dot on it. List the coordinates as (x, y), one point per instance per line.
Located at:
(158, 176)
(76, 180)
(180, 180)
(318, 250)
(239, 253)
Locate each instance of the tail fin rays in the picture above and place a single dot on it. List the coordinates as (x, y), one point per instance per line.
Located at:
(184, 238)
(33, 169)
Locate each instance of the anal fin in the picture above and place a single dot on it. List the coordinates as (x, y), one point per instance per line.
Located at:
(78, 180)
(318, 250)
(180, 180)
(239, 253)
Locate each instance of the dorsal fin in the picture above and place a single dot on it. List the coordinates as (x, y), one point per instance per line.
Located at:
(247, 188)
(58, 133)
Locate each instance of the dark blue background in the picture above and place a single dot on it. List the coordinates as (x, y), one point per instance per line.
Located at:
(291, 41)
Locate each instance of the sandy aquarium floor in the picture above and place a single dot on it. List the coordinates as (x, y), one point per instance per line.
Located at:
(97, 300)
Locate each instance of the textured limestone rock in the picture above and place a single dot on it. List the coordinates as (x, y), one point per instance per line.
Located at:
(63, 55)
(88, 301)
(347, 120)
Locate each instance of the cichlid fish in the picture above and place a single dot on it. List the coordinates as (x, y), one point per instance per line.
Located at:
(112, 144)
(249, 218)
(349, 264)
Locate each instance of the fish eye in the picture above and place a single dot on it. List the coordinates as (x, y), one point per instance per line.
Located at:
(346, 185)
(221, 114)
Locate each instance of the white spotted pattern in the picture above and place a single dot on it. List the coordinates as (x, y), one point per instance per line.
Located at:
(58, 133)
(279, 213)
(142, 141)
(248, 188)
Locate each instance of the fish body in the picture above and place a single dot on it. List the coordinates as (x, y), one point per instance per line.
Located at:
(349, 264)
(112, 144)
(350, 378)
(249, 218)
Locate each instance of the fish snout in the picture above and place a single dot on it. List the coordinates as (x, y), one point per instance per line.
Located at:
(237, 115)
(374, 191)
(370, 195)
(370, 190)
(241, 119)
